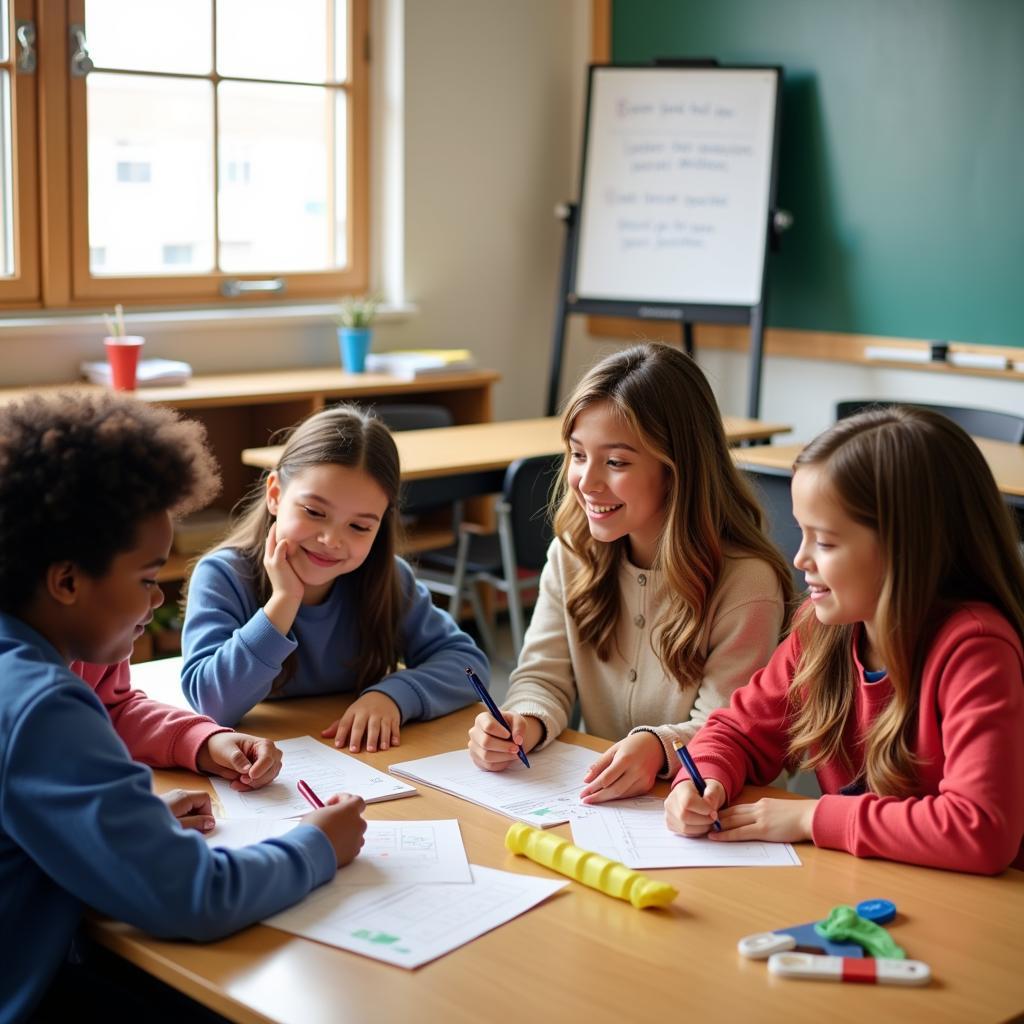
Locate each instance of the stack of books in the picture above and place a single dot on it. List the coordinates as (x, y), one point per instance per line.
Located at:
(408, 364)
(151, 373)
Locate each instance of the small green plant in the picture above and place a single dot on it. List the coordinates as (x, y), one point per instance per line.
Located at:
(357, 310)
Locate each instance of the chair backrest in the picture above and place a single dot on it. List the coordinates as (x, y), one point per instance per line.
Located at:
(527, 491)
(417, 495)
(774, 493)
(999, 426)
(413, 416)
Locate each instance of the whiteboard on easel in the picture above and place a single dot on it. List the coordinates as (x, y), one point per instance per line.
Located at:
(677, 184)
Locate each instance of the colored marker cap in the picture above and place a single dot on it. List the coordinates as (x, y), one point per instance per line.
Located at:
(879, 911)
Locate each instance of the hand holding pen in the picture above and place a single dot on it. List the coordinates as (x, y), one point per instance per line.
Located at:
(340, 818)
(497, 716)
(677, 804)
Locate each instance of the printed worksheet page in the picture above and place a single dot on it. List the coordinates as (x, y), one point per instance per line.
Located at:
(634, 832)
(543, 794)
(394, 852)
(412, 925)
(325, 769)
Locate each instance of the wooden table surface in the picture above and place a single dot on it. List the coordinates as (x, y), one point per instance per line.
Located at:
(313, 383)
(1004, 459)
(583, 956)
(481, 447)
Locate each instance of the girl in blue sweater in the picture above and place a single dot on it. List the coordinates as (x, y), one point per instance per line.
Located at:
(307, 595)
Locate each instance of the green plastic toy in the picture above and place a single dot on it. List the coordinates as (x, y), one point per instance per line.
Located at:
(845, 924)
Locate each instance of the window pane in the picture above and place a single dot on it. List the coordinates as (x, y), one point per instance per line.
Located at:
(341, 179)
(273, 194)
(271, 39)
(6, 179)
(150, 35)
(340, 40)
(4, 23)
(150, 175)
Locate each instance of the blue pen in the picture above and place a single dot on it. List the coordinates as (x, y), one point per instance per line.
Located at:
(691, 768)
(481, 692)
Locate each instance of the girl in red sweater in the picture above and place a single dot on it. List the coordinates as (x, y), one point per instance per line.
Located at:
(902, 682)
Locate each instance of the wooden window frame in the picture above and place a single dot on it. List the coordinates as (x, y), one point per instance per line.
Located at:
(52, 230)
(22, 287)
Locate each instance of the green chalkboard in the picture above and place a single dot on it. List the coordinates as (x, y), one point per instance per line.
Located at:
(902, 154)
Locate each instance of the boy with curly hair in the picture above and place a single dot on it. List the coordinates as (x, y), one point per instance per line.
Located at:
(88, 485)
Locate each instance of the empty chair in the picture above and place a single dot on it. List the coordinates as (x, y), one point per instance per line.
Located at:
(773, 490)
(413, 416)
(998, 426)
(420, 497)
(510, 559)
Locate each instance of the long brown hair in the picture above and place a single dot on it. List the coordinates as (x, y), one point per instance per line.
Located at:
(661, 394)
(343, 435)
(920, 482)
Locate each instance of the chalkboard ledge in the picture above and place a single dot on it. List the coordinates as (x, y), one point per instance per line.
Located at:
(1006, 363)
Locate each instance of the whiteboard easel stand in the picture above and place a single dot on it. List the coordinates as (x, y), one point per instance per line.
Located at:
(686, 315)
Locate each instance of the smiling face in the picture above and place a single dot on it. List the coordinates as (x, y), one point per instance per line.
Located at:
(332, 515)
(618, 483)
(840, 558)
(110, 612)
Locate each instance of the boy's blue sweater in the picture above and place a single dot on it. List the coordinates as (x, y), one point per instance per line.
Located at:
(233, 654)
(79, 825)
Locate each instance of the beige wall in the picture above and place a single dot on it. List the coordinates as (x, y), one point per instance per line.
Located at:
(493, 98)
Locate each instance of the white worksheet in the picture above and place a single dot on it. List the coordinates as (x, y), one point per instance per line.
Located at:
(412, 925)
(634, 832)
(399, 853)
(325, 769)
(543, 794)
(408, 852)
(234, 833)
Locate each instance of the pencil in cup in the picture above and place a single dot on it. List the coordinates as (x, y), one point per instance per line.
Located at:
(691, 770)
(587, 867)
(488, 701)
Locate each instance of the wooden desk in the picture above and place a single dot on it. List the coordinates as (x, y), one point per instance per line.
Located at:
(584, 956)
(486, 447)
(1004, 459)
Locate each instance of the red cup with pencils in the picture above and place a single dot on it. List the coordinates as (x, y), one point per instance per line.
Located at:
(123, 357)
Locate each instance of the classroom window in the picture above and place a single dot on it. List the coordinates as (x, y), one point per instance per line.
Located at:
(175, 254)
(132, 171)
(238, 124)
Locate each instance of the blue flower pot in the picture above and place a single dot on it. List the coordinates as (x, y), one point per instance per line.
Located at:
(353, 344)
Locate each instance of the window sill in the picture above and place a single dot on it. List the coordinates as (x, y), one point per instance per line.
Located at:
(77, 325)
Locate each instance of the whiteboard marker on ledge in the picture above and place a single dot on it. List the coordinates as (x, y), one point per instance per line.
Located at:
(978, 360)
(898, 355)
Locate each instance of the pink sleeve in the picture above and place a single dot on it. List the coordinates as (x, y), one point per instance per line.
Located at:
(748, 740)
(155, 734)
(976, 821)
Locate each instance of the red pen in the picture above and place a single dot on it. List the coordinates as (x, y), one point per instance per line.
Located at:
(307, 792)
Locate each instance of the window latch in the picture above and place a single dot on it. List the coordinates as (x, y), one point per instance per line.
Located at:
(81, 62)
(233, 287)
(25, 32)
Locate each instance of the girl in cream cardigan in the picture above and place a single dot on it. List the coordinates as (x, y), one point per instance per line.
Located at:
(661, 594)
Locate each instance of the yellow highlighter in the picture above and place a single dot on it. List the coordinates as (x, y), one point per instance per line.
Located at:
(608, 876)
